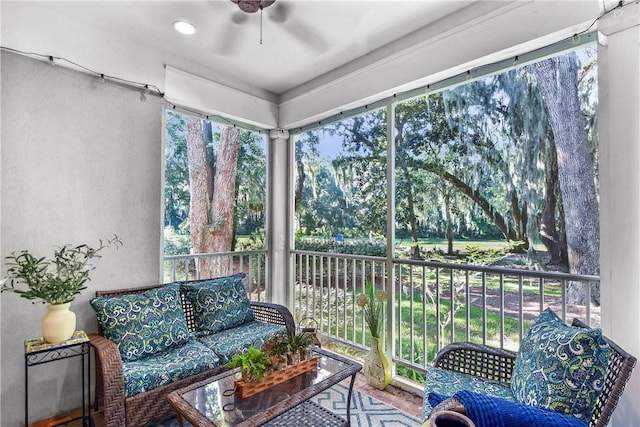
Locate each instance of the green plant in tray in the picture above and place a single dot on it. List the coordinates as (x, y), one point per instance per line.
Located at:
(298, 344)
(253, 364)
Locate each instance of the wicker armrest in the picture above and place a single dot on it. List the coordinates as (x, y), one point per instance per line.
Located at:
(478, 360)
(109, 395)
(273, 313)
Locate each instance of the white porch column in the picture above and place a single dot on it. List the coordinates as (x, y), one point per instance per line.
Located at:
(279, 215)
(619, 110)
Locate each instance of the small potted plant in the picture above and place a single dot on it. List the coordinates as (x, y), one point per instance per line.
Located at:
(277, 349)
(54, 281)
(253, 364)
(298, 344)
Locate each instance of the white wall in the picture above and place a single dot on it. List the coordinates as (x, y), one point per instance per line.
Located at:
(81, 160)
(619, 128)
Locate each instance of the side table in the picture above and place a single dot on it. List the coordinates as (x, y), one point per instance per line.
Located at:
(37, 352)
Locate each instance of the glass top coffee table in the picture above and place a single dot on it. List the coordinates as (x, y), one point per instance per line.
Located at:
(214, 403)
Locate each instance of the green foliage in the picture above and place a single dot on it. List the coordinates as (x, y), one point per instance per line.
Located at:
(357, 247)
(472, 161)
(176, 243)
(57, 280)
(176, 181)
(483, 256)
(278, 345)
(298, 341)
(252, 242)
(372, 305)
(253, 364)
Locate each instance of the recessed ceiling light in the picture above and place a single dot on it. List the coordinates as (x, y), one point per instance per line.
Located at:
(184, 27)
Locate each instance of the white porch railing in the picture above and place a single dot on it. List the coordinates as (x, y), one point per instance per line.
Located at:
(205, 266)
(431, 303)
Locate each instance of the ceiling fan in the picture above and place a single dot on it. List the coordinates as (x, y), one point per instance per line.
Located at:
(252, 6)
(279, 14)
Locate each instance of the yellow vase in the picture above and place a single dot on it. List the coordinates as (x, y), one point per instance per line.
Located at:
(376, 368)
(58, 324)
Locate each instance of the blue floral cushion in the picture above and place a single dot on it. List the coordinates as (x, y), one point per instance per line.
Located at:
(229, 342)
(560, 367)
(165, 367)
(448, 383)
(218, 304)
(145, 323)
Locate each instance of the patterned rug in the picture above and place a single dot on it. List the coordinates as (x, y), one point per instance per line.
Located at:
(365, 410)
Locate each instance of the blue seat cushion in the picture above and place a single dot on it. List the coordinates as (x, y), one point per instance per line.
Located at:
(236, 340)
(173, 364)
(448, 383)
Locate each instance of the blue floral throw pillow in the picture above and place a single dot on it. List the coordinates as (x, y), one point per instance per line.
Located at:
(560, 367)
(145, 323)
(218, 304)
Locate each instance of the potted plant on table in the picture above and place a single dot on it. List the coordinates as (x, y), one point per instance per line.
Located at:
(54, 281)
(298, 344)
(253, 364)
(376, 368)
(277, 349)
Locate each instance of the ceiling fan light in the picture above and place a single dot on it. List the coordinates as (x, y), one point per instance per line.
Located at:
(184, 27)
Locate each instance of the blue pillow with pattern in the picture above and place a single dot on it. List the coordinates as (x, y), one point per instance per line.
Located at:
(219, 303)
(145, 323)
(560, 367)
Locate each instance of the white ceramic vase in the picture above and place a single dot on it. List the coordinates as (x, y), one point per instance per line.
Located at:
(59, 323)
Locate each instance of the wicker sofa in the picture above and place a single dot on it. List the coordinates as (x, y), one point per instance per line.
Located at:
(489, 370)
(131, 389)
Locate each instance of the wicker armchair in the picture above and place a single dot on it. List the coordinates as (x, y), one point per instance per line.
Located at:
(139, 410)
(497, 365)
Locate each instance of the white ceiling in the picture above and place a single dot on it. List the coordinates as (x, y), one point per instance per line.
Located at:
(302, 40)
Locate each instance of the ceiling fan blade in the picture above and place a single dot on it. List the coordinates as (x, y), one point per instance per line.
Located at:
(280, 12)
(226, 38)
(239, 17)
(307, 35)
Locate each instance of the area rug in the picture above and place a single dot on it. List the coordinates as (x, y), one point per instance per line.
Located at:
(365, 410)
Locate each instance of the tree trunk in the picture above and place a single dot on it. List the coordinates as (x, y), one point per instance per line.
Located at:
(551, 237)
(557, 79)
(447, 208)
(211, 210)
(198, 179)
(220, 238)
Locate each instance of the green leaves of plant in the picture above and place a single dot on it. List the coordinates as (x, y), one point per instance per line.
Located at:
(57, 280)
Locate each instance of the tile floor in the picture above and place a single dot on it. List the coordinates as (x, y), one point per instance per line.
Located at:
(405, 401)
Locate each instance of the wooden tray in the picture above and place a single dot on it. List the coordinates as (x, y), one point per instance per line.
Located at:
(245, 389)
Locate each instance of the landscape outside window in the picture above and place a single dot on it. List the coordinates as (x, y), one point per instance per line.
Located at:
(500, 171)
(215, 195)
(496, 171)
